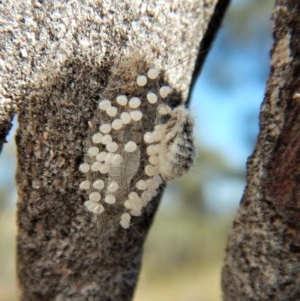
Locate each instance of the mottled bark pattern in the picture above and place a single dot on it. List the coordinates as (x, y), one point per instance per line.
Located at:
(7, 110)
(263, 252)
(57, 59)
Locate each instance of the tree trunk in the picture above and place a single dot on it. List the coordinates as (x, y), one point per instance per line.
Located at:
(58, 59)
(263, 252)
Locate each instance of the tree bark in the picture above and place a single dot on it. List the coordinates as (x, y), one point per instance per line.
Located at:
(57, 57)
(263, 251)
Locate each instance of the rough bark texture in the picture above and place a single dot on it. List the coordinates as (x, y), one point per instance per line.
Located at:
(263, 252)
(7, 110)
(56, 59)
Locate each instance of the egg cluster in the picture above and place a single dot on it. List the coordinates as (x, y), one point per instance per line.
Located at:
(123, 148)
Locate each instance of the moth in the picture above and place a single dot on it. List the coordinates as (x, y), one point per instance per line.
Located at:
(131, 155)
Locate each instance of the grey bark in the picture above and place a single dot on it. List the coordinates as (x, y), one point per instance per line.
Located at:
(263, 251)
(57, 57)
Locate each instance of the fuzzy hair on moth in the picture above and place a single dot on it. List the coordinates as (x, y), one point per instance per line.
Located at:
(138, 142)
(176, 148)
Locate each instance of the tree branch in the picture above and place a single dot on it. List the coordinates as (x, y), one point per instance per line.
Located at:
(59, 59)
(263, 252)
